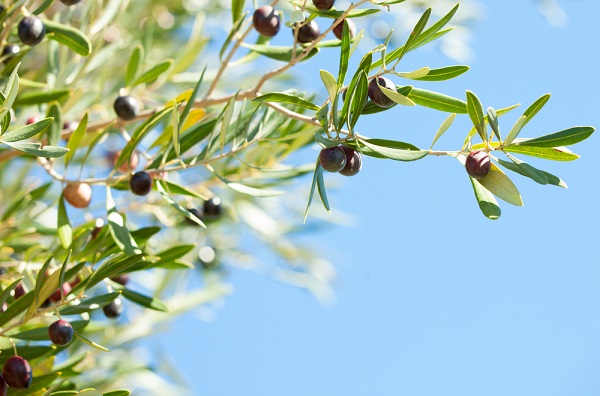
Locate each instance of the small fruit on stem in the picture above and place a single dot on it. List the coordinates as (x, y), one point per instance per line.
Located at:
(339, 29)
(19, 291)
(377, 96)
(308, 32)
(17, 373)
(266, 21)
(353, 162)
(126, 107)
(31, 30)
(78, 195)
(332, 159)
(141, 183)
(478, 164)
(9, 51)
(114, 309)
(69, 2)
(323, 5)
(60, 332)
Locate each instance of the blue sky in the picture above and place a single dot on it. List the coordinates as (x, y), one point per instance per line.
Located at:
(433, 298)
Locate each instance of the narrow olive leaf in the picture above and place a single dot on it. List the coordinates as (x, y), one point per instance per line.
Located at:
(5, 123)
(6, 292)
(118, 228)
(10, 92)
(190, 101)
(321, 188)
(322, 116)
(225, 122)
(524, 169)
(90, 343)
(135, 63)
(566, 137)
(435, 28)
(492, 119)
(246, 190)
(395, 153)
(395, 96)
(514, 132)
(554, 153)
(323, 141)
(283, 54)
(115, 264)
(181, 190)
(69, 36)
(27, 131)
(237, 6)
(76, 138)
(487, 203)
(232, 32)
(118, 392)
(163, 191)
(443, 73)
(443, 128)
(63, 227)
(330, 84)
(54, 111)
(89, 304)
(154, 73)
(36, 98)
(175, 127)
(37, 150)
(536, 107)
(415, 74)
(344, 55)
(312, 189)
(550, 178)
(501, 186)
(475, 110)
(281, 97)
(144, 301)
(358, 99)
(417, 30)
(437, 101)
(533, 173)
(41, 279)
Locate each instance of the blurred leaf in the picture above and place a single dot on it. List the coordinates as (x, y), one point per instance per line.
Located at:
(135, 64)
(63, 227)
(76, 138)
(36, 98)
(89, 304)
(91, 343)
(281, 97)
(118, 228)
(321, 188)
(444, 73)
(312, 189)
(6, 292)
(283, 54)
(161, 189)
(69, 36)
(55, 129)
(154, 73)
(190, 102)
(10, 93)
(37, 150)
(144, 301)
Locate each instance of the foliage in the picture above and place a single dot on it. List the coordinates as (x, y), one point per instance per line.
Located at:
(215, 151)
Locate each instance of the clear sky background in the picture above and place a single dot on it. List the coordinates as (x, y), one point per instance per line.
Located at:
(433, 298)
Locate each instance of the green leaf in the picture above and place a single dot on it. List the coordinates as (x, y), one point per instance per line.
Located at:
(247, 190)
(312, 189)
(175, 127)
(344, 54)
(528, 170)
(501, 186)
(437, 101)
(134, 65)
(144, 301)
(492, 119)
(27, 131)
(91, 343)
(5, 123)
(283, 54)
(36, 98)
(281, 97)
(395, 96)
(191, 100)
(89, 304)
(395, 153)
(443, 128)
(323, 141)
(566, 137)
(119, 392)
(69, 36)
(330, 84)
(321, 188)
(37, 150)
(475, 110)
(10, 93)
(154, 73)
(118, 228)
(358, 99)
(63, 228)
(181, 190)
(54, 131)
(417, 30)
(76, 138)
(536, 107)
(6, 292)
(161, 189)
(554, 153)
(116, 264)
(548, 177)
(237, 6)
(487, 203)
(444, 73)
(514, 132)
(227, 115)
(41, 279)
